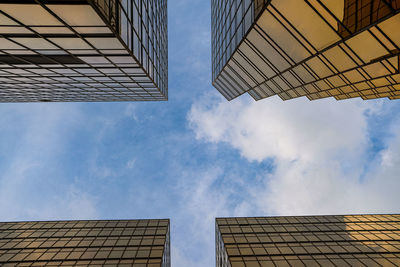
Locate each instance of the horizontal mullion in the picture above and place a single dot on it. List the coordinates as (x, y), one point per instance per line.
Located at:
(317, 243)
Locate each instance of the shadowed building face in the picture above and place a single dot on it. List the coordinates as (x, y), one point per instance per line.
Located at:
(85, 243)
(83, 50)
(317, 49)
(350, 240)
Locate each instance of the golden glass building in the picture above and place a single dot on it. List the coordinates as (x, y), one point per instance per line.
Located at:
(350, 240)
(312, 48)
(85, 243)
(83, 50)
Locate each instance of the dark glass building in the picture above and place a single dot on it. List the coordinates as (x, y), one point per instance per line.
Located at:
(85, 243)
(313, 48)
(350, 240)
(83, 50)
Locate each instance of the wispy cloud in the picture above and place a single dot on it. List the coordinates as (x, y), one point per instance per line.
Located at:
(200, 201)
(30, 186)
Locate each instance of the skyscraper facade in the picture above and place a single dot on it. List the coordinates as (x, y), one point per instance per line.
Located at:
(313, 48)
(83, 50)
(350, 240)
(85, 243)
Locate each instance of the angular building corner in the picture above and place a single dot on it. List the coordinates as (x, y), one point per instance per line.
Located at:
(83, 50)
(313, 48)
(334, 240)
(86, 243)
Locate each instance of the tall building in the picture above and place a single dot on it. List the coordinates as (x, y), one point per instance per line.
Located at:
(85, 243)
(350, 240)
(83, 50)
(313, 48)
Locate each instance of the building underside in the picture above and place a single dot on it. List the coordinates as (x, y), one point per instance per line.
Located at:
(83, 50)
(313, 48)
(332, 240)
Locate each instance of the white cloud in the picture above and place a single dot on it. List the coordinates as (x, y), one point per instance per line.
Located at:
(288, 130)
(319, 151)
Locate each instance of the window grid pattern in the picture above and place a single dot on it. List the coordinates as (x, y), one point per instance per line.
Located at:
(79, 243)
(100, 50)
(362, 240)
(311, 49)
(230, 21)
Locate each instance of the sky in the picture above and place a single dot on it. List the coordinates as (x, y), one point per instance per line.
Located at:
(197, 156)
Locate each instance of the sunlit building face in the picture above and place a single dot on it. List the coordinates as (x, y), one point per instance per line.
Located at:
(293, 48)
(350, 240)
(85, 243)
(81, 50)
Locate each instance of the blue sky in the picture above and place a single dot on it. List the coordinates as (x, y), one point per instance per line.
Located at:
(197, 156)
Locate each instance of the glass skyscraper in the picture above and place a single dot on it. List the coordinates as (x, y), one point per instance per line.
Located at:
(85, 243)
(350, 240)
(83, 50)
(313, 48)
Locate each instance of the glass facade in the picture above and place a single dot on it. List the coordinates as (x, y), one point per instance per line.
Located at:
(230, 22)
(85, 243)
(313, 48)
(83, 50)
(350, 240)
